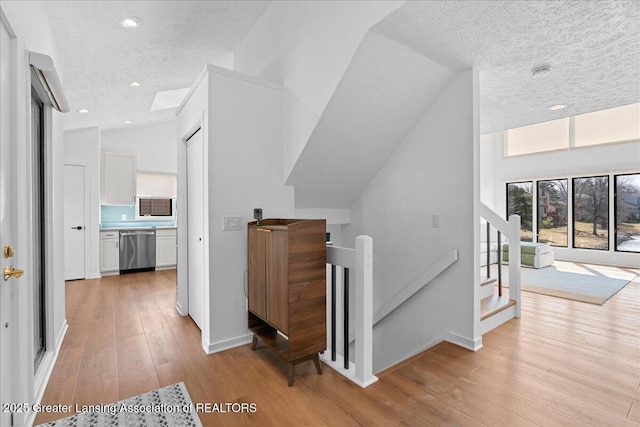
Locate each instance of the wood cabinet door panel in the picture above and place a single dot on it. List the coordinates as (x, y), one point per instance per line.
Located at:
(277, 266)
(257, 276)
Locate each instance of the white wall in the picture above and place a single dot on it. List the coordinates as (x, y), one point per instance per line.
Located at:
(82, 147)
(584, 161)
(153, 145)
(307, 46)
(243, 171)
(430, 173)
(30, 23)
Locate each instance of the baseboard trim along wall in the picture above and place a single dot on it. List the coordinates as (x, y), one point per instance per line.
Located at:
(227, 344)
(464, 342)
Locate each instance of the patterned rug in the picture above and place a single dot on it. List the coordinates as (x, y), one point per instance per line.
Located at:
(169, 406)
(590, 283)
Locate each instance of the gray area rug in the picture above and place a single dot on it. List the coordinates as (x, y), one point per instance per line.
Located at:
(590, 283)
(169, 406)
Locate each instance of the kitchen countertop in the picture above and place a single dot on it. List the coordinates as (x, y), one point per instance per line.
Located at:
(136, 227)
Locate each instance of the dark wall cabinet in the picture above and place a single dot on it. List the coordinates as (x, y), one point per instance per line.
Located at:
(287, 288)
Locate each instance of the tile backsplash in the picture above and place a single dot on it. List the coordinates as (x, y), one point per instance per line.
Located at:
(117, 213)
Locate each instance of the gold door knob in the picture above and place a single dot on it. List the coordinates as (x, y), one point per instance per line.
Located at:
(12, 272)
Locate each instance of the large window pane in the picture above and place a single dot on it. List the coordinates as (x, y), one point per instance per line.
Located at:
(546, 136)
(628, 212)
(520, 202)
(606, 126)
(591, 212)
(552, 212)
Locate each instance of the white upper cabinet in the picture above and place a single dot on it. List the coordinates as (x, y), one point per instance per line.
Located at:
(157, 185)
(119, 179)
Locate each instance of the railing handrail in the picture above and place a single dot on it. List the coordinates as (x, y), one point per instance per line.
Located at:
(343, 257)
(490, 216)
(437, 268)
(416, 284)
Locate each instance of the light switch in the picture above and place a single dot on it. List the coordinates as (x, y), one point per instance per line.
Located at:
(231, 223)
(435, 221)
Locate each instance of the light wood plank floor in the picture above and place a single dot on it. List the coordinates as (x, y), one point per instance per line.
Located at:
(563, 363)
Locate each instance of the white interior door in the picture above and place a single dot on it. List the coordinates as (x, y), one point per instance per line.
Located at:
(10, 302)
(195, 226)
(74, 226)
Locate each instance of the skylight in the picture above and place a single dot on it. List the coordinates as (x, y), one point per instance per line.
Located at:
(168, 99)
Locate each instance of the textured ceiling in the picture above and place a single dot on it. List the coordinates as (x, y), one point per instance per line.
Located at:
(384, 91)
(593, 48)
(168, 51)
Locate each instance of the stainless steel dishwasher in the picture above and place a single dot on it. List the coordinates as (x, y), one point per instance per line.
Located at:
(137, 250)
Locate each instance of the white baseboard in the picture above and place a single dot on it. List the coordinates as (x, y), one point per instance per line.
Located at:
(166, 267)
(181, 311)
(350, 373)
(93, 276)
(219, 346)
(464, 342)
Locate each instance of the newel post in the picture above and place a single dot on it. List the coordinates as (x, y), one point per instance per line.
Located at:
(364, 311)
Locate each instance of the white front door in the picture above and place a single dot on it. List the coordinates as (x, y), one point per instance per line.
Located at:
(74, 226)
(195, 227)
(12, 301)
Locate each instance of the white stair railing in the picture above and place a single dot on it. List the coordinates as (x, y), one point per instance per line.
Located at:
(359, 260)
(511, 229)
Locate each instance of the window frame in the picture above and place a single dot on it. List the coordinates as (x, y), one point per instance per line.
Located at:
(537, 197)
(573, 214)
(615, 212)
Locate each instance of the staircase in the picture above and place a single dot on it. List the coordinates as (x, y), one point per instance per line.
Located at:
(498, 306)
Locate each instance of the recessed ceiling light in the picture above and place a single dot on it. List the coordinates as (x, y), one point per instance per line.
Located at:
(83, 111)
(134, 84)
(130, 22)
(127, 122)
(558, 107)
(540, 71)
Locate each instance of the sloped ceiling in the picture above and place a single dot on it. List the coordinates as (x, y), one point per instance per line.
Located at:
(592, 47)
(168, 51)
(383, 93)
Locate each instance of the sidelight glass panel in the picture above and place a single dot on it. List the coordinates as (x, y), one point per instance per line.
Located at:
(627, 210)
(591, 212)
(520, 202)
(552, 212)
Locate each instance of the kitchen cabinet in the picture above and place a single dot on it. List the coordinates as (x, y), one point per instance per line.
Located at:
(109, 252)
(165, 248)
(287, 288)
(119, 179)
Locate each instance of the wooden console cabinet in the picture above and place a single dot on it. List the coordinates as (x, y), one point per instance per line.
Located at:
(287, 288)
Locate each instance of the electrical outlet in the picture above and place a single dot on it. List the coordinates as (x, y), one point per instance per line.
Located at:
(231, 223)
(435, 221)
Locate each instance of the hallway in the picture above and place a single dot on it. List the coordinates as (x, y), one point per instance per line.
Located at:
(563, 363)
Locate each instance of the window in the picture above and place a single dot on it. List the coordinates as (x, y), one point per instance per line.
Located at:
(627, 212)
(606, 126)
(520, 202)
(552, 212)
(619, 124)
(591, 212)
(546, 136)
(155, 207)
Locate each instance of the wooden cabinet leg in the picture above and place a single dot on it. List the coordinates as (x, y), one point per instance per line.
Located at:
(254, 342)
(316, 362)
(291, 371)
